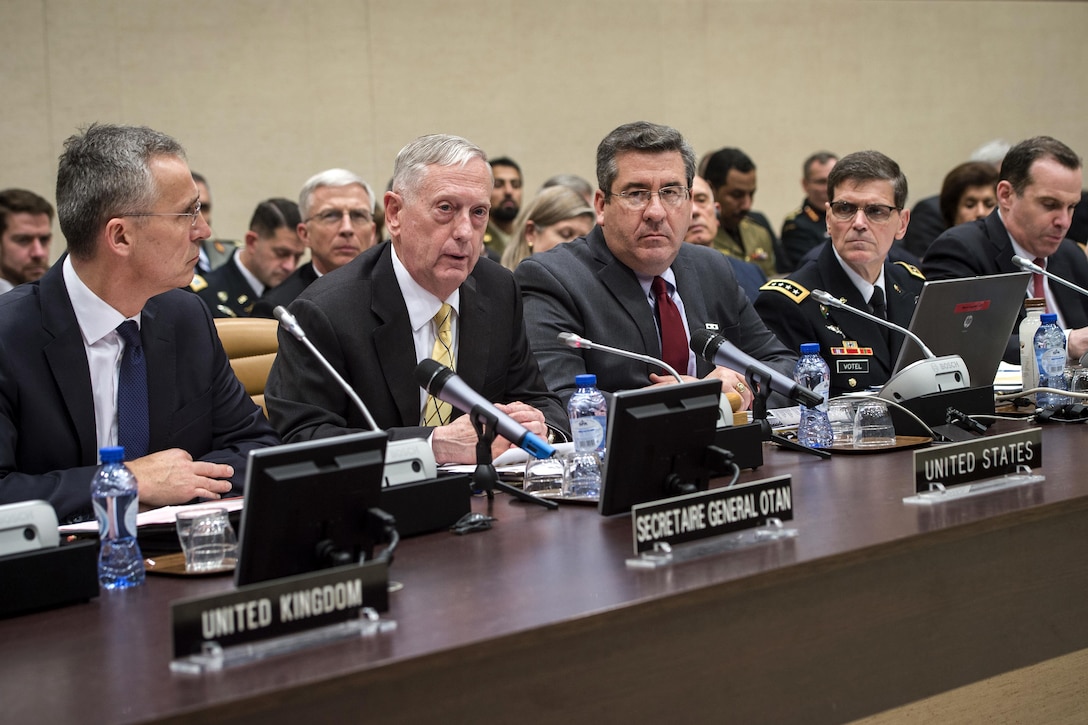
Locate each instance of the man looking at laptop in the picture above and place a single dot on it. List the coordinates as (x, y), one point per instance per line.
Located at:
(1039, 184)
(864, 217)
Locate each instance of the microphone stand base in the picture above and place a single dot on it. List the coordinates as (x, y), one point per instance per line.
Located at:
(486, 478)
(761, 388)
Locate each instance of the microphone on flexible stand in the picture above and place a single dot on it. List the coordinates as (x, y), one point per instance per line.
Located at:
(933, 375)
(578, 342)
(406, 460)
(291, 325)
(732, 401)
(1029, 266)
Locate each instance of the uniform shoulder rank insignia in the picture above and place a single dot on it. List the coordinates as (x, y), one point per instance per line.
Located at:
(914, 271)
(791, 289)
(198, 283)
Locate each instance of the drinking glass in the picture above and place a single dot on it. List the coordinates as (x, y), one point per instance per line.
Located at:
(207, 539)
(840, 412)
(873, 425)
(545, 475)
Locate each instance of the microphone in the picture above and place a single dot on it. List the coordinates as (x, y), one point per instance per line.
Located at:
(407, 460)
(446, 385)
(576, 341)
(719, 351)
(291, 325)
(1029, 266)
(933, 375)
(824, 298)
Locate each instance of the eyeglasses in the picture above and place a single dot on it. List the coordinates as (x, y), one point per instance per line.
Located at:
(195, 214)
(332, 217)
(876, 213)
(671, 197)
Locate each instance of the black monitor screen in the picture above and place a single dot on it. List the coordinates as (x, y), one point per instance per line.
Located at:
(657, 443)
(303, 498)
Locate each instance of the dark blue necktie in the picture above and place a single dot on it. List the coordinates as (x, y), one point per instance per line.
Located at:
(132, 426)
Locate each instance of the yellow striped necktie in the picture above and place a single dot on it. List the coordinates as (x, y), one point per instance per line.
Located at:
(438, 412)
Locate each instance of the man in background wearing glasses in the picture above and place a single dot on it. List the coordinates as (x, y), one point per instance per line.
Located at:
(633, 283)
(337, 209)
(106, 350)
(864, 217)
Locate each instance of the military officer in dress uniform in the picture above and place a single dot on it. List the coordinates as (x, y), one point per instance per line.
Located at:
(270, 254)
(806, 226)
(864, 217)
(214, 252)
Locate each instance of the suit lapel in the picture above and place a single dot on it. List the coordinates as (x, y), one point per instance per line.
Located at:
(160, 349)
(695, 309)
(393, 340)
(1002, 244)
(622, 284)
(473, 348)
(67, 360)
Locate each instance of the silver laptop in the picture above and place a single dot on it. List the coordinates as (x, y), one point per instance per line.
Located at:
(971, 317)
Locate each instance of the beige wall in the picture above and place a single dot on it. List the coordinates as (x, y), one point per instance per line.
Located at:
(265, 93)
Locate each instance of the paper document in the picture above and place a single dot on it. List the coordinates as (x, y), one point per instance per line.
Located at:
(164, 515)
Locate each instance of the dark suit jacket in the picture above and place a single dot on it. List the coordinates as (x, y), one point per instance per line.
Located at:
(357, 318)
(285, 292)
(787, 308)
(749, 276)
(225, 291)
(48, 448)
(581, 287)
(984, 247)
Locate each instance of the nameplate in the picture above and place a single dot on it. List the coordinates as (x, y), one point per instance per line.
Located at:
(282, 606)
(711, 513)
(978, 459)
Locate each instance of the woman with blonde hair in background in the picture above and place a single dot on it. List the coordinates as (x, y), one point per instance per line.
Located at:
(555, 216)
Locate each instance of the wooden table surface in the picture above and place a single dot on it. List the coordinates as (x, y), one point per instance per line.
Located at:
(874, 604)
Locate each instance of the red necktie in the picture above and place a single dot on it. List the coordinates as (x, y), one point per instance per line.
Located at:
(1037, 280)
(674, 341)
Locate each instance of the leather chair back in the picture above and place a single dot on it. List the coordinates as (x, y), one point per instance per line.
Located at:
(251, 345)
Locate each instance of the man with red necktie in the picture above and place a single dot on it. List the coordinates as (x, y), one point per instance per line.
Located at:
(634, 284)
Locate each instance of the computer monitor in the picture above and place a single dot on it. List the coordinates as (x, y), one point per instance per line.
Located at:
(657, 443)
(306, 505)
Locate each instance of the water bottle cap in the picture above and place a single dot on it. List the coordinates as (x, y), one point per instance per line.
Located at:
(587, 380)
(810, 348)
(112, 454)
(1048, 317)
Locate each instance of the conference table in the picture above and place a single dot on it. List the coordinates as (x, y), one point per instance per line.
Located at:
(875, 603)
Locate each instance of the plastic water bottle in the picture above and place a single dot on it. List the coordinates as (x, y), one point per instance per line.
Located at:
(1050, 355)
(114, 495)
(812, 372)
(588, 412)
(1029, 366)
